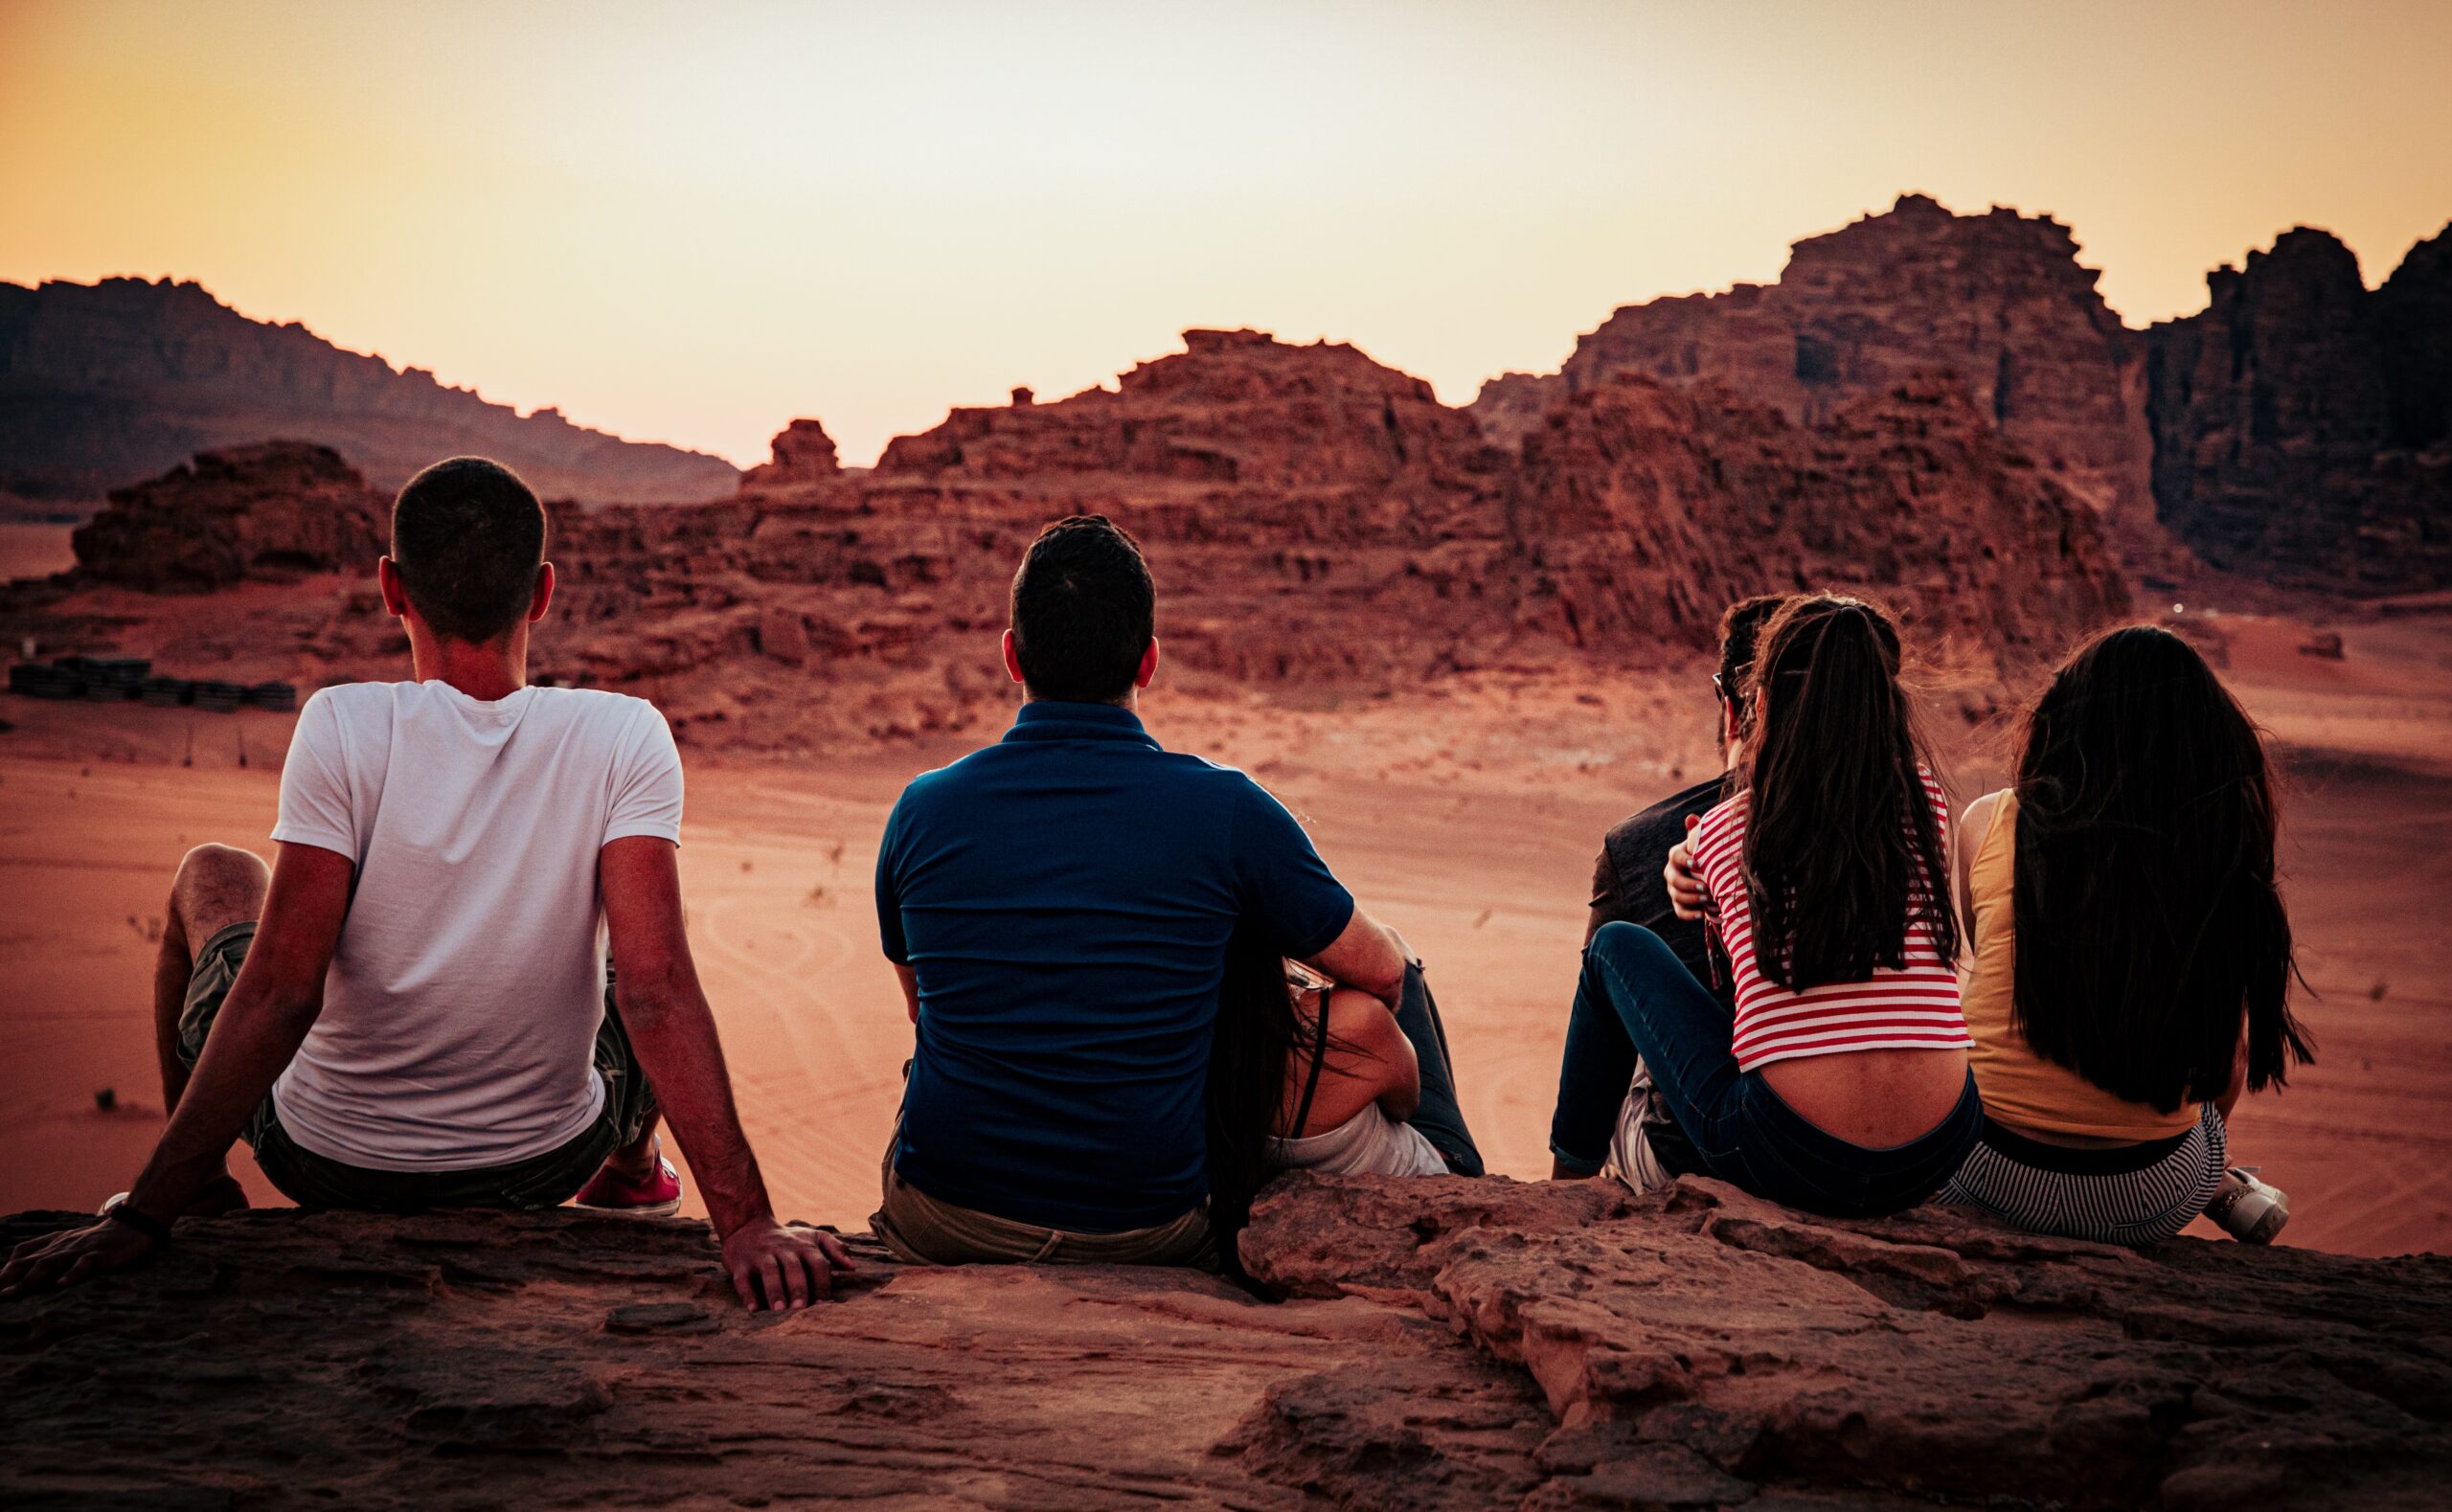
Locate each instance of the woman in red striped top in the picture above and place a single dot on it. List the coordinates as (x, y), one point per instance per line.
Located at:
(1840, 1085)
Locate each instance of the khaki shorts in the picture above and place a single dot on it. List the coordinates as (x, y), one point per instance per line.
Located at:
(918, 1230)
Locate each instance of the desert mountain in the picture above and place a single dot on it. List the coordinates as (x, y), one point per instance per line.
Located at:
(2296, 430)
(1997, 300)
(2303, 424)
(106, 383)
(1314, 517)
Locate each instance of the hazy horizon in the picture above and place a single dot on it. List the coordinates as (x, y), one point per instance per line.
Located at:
(694, 233)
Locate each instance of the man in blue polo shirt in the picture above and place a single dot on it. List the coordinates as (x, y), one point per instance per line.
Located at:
(1059, 907)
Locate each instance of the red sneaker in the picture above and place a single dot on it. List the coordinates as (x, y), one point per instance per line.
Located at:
(609, 1191)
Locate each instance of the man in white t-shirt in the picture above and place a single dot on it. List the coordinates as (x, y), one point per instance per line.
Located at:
(411, 1008)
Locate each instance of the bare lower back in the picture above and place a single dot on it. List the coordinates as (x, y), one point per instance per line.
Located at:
(1876, 1099)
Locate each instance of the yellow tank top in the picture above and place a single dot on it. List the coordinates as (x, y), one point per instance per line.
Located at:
(2020, 1088)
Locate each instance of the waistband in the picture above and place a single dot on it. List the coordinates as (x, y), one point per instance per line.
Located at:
(2063, 1160)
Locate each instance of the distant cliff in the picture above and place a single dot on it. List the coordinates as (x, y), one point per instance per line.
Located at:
(2303, 424)
(2299, 430)
(104, 384)
(1997, 300)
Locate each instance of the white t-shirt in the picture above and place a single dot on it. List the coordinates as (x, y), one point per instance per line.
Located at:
(461, 1011)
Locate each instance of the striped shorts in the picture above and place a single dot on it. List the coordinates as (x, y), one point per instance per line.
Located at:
(2132, 1195)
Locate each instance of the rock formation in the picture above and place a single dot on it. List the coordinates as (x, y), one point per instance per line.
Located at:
(803, 454)
(1313, 518)
(1644, 511)
(274, 510)
(2303, 425)
(1447, 1343)
(1997, 300)
(103, 384)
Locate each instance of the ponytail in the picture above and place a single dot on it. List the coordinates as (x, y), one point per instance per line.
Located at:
(1843, 852)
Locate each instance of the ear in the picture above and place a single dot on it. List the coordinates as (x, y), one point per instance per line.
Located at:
(395, 597)
(1012, 659)
(1730, 728)
(544, 594)
(1148, 665)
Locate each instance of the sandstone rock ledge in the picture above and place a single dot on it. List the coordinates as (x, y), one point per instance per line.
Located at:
(1446, 1343)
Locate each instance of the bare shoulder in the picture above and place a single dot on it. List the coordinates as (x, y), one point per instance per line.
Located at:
(1977, 822)
(1361, 1020)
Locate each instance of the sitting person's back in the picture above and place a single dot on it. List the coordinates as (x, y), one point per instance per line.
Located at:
(412, 1008)
(2132, 960)
(468, 981)
(1066, 898)
(1058, 908)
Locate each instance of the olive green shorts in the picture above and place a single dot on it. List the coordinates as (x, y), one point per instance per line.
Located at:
(315, 1180)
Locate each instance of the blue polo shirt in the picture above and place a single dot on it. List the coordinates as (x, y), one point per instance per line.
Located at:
(1064, 898)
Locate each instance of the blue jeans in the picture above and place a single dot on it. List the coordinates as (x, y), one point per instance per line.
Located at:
(1438, 1118)
(1636, 997)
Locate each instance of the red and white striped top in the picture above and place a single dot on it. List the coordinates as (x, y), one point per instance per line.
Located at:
(1910, 1007)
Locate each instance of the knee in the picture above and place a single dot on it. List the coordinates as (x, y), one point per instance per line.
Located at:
(219, 874)
(213, 863)
(1622, 943)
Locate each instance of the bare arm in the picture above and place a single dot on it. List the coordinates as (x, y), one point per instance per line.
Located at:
(270, 1007)
(1972, 833)
(1394, 1068)
(665, 1012)
(1364, 957)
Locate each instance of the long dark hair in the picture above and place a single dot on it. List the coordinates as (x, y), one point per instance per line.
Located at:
(1842, 849)
(2149, 918)
(1260, 1029)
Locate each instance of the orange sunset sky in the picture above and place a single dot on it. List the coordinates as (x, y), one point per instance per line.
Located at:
(691, 223)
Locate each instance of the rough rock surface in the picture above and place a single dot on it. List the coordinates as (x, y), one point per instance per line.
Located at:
(2303, 425)
(1447, 1343)
(1648, 509)
(1997, 300)
(272, 509)
(105, 383)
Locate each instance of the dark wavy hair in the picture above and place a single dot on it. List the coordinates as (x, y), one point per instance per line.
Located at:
(1842, 849)
(2150, 924)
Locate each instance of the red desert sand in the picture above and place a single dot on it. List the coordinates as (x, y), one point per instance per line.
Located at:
(1467, 820)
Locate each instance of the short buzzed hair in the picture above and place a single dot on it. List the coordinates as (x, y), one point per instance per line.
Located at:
(467, 536)
(1084, 610)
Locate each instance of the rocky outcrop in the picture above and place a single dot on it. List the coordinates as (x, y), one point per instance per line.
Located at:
(803, 454)
(272, 511)
(1644, 511)
(1313, 518)
(1446, 1343)
(101, 384)
(1998, 301)
(2300, 421)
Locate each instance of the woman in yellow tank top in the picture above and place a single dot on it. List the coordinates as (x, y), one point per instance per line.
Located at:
(2131, 959)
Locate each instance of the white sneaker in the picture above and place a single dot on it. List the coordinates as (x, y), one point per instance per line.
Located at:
(1631, 1157)
(2250, 1210)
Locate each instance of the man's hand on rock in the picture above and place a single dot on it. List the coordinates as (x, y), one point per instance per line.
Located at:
(71, 1255)
(791, 1268)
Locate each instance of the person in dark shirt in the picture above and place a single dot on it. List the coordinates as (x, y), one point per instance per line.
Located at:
(1629, 886)
(1058, 908)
